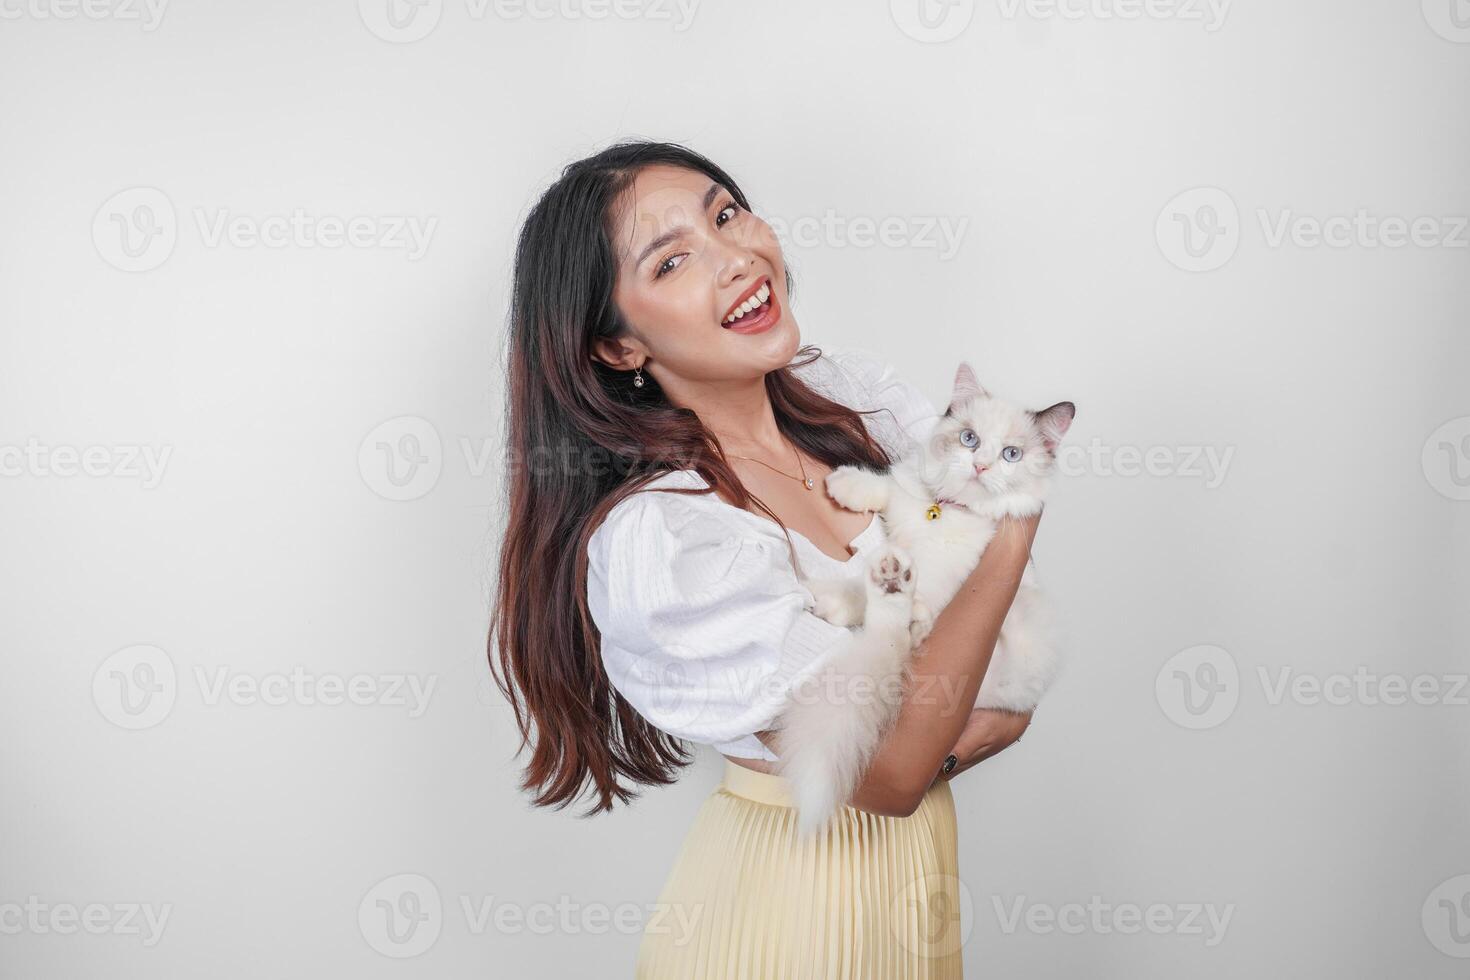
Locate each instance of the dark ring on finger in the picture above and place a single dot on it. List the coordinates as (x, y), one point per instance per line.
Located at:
(950, 761)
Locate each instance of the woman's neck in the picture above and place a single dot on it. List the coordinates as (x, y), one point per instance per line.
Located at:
(740, 416)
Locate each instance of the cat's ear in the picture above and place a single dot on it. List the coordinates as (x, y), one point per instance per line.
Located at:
(966, 387)
(1054, 423)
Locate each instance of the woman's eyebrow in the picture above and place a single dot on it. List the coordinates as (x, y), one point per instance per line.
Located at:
(674, 233)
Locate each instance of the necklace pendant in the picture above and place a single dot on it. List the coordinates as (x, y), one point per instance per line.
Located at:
(809, 483)
(932, 514)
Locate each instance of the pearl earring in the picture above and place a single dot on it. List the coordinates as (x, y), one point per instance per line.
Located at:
(638, 377)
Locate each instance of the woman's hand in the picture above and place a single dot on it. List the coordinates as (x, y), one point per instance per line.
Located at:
(988, 731)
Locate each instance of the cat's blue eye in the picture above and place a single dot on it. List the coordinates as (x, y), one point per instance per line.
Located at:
(1011, 454)
(969, 439)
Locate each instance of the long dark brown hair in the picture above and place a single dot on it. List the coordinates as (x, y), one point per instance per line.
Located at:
(580, 438)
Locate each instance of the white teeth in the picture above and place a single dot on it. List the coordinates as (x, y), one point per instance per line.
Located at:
(760, 296)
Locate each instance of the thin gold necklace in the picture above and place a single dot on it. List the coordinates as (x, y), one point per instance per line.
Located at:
(804, 480)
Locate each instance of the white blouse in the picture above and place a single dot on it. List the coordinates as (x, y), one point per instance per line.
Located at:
(705, 627)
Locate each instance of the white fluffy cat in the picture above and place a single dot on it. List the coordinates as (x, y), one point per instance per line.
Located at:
(832, 724)
(985, 459)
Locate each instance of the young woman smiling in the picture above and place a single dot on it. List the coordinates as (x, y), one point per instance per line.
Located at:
(648, 594)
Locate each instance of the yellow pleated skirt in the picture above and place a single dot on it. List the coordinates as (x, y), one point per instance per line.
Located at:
(869, 898)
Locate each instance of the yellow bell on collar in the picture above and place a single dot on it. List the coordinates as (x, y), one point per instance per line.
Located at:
(932, 514)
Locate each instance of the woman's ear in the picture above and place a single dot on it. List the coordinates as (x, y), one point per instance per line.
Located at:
(618, 353)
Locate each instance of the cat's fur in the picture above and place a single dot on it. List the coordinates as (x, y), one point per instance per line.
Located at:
(828, 742)
(832, 725)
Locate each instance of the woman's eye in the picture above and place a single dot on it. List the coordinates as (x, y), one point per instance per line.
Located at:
(1010, 454)
(665, 266)
(969, 439)
(731, 208)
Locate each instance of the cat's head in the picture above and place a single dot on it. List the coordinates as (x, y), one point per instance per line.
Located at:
(983, 448)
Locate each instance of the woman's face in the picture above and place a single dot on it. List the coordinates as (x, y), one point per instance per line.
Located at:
(687, 254)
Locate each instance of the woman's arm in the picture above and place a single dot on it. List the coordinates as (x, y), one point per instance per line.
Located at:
(947, 670)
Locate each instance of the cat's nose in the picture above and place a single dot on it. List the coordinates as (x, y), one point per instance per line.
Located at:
(980, 469)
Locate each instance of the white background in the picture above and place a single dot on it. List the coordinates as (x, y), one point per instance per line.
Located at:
(1060, 139)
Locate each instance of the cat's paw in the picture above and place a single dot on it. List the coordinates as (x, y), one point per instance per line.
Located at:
(891, 573)
(836, 602)
(854, 488)
(890, 593)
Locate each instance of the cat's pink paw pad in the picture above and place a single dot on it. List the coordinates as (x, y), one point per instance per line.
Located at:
(892, 571)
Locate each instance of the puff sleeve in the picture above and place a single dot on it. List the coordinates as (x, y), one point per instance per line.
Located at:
(862, 380)
(705, 628)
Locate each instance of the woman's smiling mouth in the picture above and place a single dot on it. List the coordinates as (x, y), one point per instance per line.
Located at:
(757, 310)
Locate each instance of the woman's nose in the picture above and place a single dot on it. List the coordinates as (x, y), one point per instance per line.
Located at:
(737, 262)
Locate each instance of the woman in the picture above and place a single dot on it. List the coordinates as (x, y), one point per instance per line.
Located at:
(669, 451)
